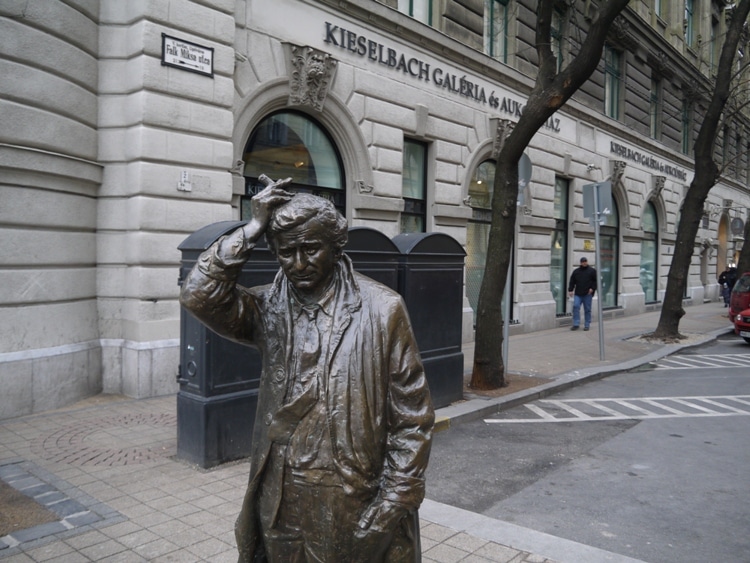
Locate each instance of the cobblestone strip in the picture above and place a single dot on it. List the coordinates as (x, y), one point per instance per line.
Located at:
(43, 488)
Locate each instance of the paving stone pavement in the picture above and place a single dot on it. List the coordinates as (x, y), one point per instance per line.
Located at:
(108, 464)
(113, 464)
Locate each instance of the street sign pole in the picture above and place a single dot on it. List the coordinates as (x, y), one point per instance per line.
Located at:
(598, 254)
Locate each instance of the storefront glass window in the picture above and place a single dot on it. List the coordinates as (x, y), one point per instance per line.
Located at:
(414, 187)
(648, 277)
(290, 144)
(608, 238)
(559, 247)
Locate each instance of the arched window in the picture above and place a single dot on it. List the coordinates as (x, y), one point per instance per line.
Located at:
(558, 271)
(609, 235)
(478, 229)
(649, 253)
(291, 144)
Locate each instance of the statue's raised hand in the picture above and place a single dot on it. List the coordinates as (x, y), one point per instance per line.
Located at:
(264, 202)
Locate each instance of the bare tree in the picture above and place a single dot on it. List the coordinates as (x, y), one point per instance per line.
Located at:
(707, 173)
(551, 90)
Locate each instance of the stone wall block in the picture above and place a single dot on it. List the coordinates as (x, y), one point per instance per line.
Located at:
(36, 127)
(47, 248)
(387, 160)
(123, 42)
(29, 286)
(121, 75)
(138, 247)
(16, 382)
(62, 20)
(39, 89)
(449, 152)
(208, 184)
(51, 209)
(121, 111)
(47, 324)
(121, 13)
(446, 173)
(38, 48)
(164, 363)
(380, 111)
(61, 380)
(387, 137)
(387, 184)
(179, 216)
(204, 20)
(448, 193)
(447, 130)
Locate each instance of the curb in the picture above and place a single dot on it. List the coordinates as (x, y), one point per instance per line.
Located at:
(474, 409)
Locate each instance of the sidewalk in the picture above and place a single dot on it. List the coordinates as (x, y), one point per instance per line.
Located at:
(107, 467)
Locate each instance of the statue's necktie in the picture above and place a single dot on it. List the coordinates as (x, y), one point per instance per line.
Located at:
(304, 392)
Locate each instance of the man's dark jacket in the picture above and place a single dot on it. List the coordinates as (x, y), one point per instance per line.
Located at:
(380, 416)
(581, 280)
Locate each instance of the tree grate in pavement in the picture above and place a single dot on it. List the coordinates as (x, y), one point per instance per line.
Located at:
(74, 514)
(110, 441)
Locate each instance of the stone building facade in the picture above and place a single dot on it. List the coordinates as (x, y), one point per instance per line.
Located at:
(128, 125)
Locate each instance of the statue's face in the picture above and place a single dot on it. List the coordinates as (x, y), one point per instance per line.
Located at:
(307, 257)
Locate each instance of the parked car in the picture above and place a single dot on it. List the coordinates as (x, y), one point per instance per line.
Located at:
(742, 324)
(739, 300)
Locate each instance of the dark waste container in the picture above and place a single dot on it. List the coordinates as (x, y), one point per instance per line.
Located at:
(431, 269)
(374, 255)
(218, 378)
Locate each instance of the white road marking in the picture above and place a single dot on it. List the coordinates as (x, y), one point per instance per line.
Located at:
(694, 408)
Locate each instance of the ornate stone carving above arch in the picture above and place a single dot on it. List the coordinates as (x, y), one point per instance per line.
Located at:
(310, 75)
(501, 130)
(619, 191)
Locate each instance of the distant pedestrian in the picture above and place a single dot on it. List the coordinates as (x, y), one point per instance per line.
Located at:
(582, 287)
(724, 286)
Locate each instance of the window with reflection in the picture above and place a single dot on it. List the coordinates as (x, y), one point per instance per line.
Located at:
(558, 274)
(414, 187)
(649, 247)
(418, 9)
(609, 234)
(293, 145)
(612, 82)
(496, 29)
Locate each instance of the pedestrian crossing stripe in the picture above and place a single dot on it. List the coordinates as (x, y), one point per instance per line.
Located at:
(637, 408)
(703, 361)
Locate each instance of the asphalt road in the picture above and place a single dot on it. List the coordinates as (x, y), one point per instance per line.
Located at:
(653, 463)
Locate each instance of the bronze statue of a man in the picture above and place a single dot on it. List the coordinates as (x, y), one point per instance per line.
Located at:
(344, 423)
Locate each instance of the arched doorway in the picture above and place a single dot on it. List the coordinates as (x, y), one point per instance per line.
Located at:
(292, 144)
(649, 253)
(478, 230)
(723, 245)
(609, 235)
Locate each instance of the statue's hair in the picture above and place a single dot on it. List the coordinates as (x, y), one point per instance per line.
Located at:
(299, 210)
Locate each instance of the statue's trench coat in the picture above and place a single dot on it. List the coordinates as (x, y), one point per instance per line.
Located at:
(380, 416)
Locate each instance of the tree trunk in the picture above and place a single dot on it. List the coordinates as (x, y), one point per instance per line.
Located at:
(489, 369)
(550, 92)
(706, 175)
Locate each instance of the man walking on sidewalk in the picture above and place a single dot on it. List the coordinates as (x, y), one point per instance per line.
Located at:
(581, 287)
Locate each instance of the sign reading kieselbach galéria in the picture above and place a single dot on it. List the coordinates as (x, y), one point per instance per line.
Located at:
(187, 55)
